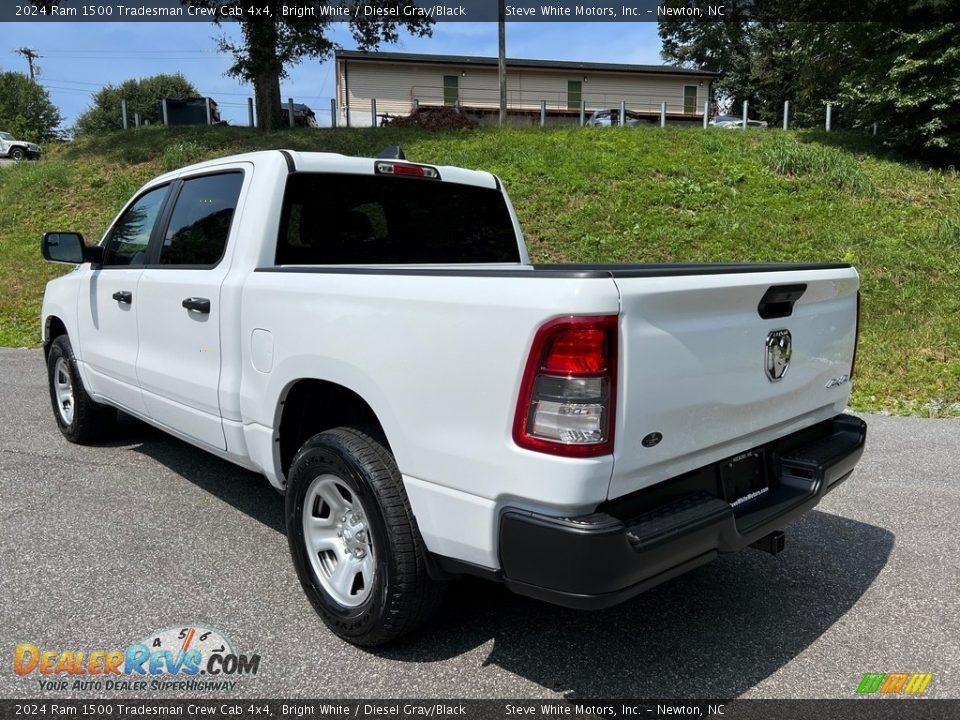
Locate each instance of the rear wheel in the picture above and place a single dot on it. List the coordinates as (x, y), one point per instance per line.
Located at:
(354, 541)
(80, 419)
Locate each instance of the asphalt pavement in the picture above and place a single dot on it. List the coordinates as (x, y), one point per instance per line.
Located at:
(101, 546)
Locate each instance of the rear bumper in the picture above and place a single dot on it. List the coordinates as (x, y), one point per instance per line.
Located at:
(634, 543)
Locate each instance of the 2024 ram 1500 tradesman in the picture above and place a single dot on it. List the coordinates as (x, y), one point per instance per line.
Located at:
(371, 336)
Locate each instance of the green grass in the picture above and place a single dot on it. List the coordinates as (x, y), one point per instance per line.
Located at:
(637, 195)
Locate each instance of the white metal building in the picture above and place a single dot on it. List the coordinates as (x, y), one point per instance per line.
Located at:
(401, 81)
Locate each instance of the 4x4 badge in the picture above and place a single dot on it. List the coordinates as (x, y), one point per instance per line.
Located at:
(779, 350)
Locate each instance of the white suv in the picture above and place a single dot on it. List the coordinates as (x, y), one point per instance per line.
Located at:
(17, 149)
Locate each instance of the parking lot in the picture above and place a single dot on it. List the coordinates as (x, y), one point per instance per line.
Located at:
(103, 545)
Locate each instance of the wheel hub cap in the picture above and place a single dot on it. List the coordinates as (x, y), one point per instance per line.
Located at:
(63, 391)
(338, 541)
(353, 532)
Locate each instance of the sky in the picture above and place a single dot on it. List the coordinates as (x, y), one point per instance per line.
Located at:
(79, 58)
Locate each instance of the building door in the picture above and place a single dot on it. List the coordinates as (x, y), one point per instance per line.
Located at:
(451, 90)
(574, 94)
(689, 99)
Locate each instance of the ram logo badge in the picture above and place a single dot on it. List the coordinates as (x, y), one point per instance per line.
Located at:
(779, 350)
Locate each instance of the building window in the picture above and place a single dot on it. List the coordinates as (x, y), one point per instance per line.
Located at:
(451, 90)
(574, 94)
(689, 99)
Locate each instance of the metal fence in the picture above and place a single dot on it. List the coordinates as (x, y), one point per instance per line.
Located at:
(540, 107)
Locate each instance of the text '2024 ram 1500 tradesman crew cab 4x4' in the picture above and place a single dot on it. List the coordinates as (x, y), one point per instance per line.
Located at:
(371, 336)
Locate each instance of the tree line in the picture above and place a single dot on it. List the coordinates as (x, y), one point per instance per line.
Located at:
(904, 77)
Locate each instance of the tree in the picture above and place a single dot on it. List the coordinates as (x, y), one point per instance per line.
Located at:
(766, 59)
(900, 69)
(142, 96)
(274, 41)
(911, 89)
(26, 109)
(805, 63)
(723, 47)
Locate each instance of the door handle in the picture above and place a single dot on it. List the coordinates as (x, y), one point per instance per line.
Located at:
(123, 296)
(200, 305)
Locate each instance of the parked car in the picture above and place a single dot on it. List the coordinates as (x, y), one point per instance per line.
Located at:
(371, 336)
(17, 149)
(732, 121)
(611, 118)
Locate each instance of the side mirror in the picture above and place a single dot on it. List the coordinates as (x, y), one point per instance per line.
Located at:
(68, 247)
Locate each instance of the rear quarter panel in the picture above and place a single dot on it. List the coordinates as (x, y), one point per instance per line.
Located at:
(438, 358)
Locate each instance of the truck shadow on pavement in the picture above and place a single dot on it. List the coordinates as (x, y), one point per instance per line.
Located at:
(713, 633)
(248, 492)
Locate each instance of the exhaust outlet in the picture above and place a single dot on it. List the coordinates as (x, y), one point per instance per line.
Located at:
(772, 543)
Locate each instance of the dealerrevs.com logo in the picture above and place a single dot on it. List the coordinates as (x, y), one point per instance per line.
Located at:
(894, 683)
(191, 657)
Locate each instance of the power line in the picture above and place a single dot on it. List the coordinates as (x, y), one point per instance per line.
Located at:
(211, 94)
(73, 89)
(129, 57)
(75, 82)
(130, 51)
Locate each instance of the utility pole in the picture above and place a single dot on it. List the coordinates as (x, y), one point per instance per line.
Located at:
(30, 55)
(502, 64)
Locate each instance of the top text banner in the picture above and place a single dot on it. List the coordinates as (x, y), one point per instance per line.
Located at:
(399, 11)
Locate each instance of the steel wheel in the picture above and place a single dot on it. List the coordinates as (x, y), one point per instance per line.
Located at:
(354, 540)
(338, 540)
(63, 388)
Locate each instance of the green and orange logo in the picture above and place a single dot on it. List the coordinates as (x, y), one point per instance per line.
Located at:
(894, 683)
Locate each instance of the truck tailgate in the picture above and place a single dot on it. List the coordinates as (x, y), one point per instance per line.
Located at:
(694, 387)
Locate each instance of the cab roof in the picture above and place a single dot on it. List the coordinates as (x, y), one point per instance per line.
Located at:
(323, 162)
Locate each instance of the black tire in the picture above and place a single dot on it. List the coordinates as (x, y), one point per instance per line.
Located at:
(403, 596)
(89, 421)
(18, 153)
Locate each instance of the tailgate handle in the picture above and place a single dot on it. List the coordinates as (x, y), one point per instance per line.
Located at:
(778, 300)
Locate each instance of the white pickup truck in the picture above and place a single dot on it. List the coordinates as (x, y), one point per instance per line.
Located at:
(371, 336)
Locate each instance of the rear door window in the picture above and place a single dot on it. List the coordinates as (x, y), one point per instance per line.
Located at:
(200, 224)
(338, 219)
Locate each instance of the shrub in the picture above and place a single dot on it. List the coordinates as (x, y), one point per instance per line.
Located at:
(435, 119)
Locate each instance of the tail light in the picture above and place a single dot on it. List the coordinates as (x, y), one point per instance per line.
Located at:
(569, 388)
(856, 338)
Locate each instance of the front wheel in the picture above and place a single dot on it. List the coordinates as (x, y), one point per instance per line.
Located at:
(80, 419)
(354, 541)
(18, 154)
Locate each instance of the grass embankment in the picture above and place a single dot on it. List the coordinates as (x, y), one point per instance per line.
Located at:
(637, 195)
